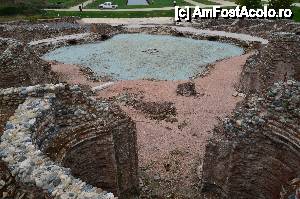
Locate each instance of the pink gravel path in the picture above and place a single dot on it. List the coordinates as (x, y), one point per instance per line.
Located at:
(159, 141)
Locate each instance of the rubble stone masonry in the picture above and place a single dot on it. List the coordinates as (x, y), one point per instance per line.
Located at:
(255, 154)
(94, 139)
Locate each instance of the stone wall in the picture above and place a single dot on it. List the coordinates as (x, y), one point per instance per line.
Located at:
(277, 61)
(20, 66)
(10, 99)
(96, 140)
(8, 104)
(26, 32)
(256, 153)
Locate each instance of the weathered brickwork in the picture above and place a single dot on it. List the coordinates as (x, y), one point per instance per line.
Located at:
(95, 139)
(20, 66)
(279, 60)
(255, 154)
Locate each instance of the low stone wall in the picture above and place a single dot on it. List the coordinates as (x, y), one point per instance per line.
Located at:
(20, 66)
(258, 27)
(57, 125)
(28, 31)
(278, 61)
(255, 154)
(10, 99)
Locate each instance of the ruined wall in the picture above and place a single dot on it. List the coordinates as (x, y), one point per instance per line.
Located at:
(256, 153)
(10, 99)
(20, 66)
(279, 60)
(8, 104)
(96, 140)
(258, 27)
(26, 32)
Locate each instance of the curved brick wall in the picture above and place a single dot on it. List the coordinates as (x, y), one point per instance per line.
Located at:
(73, 130)
(21, 66)
(95, 139)
(256, 153)
(279, 60)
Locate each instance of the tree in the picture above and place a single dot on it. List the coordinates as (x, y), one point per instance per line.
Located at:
(249, 3)
(24, 3)
(280, 4)
(14, 7)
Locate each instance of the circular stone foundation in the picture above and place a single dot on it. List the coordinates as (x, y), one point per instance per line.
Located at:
(142, 56)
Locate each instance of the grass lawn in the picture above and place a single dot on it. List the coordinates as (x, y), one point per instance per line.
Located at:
(130, 14)
(296, 12)
(111, 14)
(66, 3)
(267, 1)
(153, 4)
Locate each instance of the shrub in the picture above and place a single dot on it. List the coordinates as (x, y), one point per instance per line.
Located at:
(280, 4)
(249, 3)
(21, 7)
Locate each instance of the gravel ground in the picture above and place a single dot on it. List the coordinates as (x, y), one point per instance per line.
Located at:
(59, 39)
(127, 21)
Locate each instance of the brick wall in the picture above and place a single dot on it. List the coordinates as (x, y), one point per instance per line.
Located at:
(95, 139)
(20, 66)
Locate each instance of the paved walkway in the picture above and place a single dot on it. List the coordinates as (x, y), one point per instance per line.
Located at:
(150, 22)
(84, 4)
(239, 36)
(129, 21)
(297, 4)
(126, 10)
(224, 3)
(194, 3)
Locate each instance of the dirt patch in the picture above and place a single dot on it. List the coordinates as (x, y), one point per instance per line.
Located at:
(186, 89)
(154, 110)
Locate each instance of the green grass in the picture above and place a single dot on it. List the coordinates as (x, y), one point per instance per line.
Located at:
(296, 12)
(153, 4)
(129, 14)
(35, 17)
(111, 14)
(18, 10)
(207, 2)
(65, 3)
(33, 6)
(108, 14)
